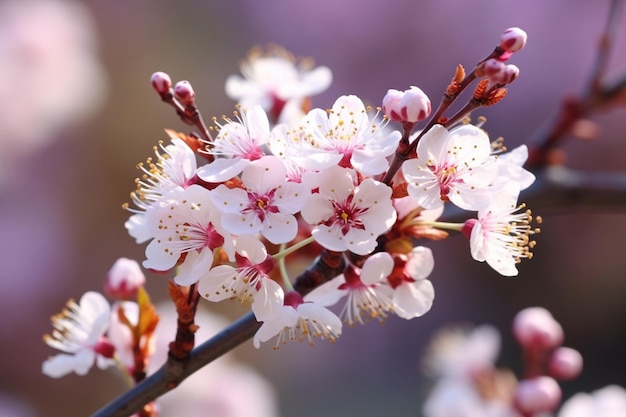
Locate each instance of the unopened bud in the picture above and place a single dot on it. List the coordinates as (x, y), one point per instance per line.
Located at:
(513, 39)
(184, 93)
(161, 82)
(123, 279)
(493, 68)
(535, 327)
(537, 395)
(510, 74)
(411, 105)
(565, 363)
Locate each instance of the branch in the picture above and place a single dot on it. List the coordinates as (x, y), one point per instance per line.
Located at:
(174, 372)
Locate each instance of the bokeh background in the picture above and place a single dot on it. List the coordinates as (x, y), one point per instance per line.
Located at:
(77, 113)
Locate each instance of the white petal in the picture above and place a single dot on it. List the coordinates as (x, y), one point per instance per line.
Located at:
(420, 263)
(222, 169)
(211, 286)
(195, 266)
(376, 268)
(413, 299)
(158, 259)
(280, 228)
(264, 175)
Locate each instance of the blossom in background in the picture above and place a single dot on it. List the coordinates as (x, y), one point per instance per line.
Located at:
(349, 216)
(609, 401)
(187, 223)
(463, 361)
(274, 78)
(291, 318)
(79, 332)
(50, 74)
(451, 165)
(347, 136)
(123, 279)
(266, 203)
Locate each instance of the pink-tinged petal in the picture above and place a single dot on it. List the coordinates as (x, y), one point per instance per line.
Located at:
(336, 183)
(280, 228)
(291, 197)
(413, 299)
(222, 169)
(158, 258)
(242, 224)
(195, 266)
(434, 144)
(376, 268)
(258, 124)
(316, 121)
(471, 146)
(361, 242)
(420, 263)
(229, 200)
(265, 174)
(369, 164)
(212, 285)
(269, 301)
(320, 315)
(252, 248)
(317, 209)
(329, 238)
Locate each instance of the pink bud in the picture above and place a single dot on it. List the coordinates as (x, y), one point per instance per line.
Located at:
(123, 279)
(161, 82)
(535, 327)
(493, 68)
(537, 395)
(184, 93)
(411, 105)
(510, 74)
(513, 39)
(565, 363)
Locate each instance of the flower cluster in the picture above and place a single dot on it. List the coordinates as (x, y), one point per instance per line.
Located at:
(279, 176)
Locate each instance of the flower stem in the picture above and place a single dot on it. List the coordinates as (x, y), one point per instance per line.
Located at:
(283, 253)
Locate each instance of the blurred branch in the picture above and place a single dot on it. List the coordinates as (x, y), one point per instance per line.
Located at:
(597, 94)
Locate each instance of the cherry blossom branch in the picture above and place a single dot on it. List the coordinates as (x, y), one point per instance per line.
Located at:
(328, 265)
(170, 375)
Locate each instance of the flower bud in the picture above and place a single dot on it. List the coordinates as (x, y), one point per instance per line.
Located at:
(537, 395)
(535, 327)
(510, 74)
(411, 105)
(493, 68)
(161, 82)
(184, 93)
(565, 363)
(123, 279)
(513, 39)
